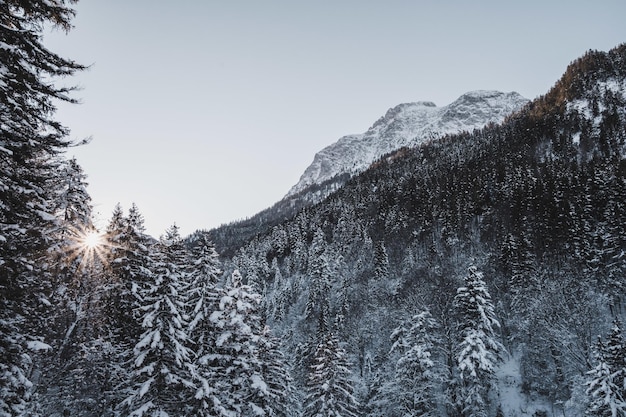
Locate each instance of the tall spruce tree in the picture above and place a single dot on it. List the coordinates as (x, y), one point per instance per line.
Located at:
(320, 275)
(30, 139)
(249, 376)
(76, 323)
(478, 348)
(411, 391)
(163, 364)
(131, 263)
(606, 386)
(329, 390)
(203, 299)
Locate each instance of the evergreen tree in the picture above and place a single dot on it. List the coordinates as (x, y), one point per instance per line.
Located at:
(278, 395)
(478, 350)
(203, 299)
(30, 139)
(280, 293)
(73, 202)
(606, 386)
(131, 264)
(320, 275)
(411, 391)
(381, 262)
(519, 262)
(248, 372)
(163, 364)
(77, 329)
(75, 274)
(329, 388)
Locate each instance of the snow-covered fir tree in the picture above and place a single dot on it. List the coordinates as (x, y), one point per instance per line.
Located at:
(606, 386)
(161, 382)
(73, 202)
(202, 297)
(478, 348)
(320, 274)
(413, 388)
(329, 388)
(30, 140)
(278, 398)
(78, 333)
(247, 368)
(131, 261)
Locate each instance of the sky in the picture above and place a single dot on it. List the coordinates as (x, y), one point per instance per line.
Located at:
(204, 112)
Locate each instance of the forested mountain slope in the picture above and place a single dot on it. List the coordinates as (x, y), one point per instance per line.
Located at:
(405, 125)
(530, 214)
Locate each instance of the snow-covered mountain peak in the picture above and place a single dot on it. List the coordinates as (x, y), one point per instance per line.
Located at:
(407, 124)
(483, 106)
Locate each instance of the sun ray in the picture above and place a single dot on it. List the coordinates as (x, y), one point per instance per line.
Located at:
(88, 246)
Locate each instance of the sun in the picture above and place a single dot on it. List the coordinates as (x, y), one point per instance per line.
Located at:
(88, 246)
(92, 240)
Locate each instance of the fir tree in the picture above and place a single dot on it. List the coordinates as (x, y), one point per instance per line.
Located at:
(320, 275)
(606, 386)
(381, 262)
(75, 274)
(74, 202)
(30, 139)
(77, 332)
(203, 299)
(248, 372)
(478, 351)
(411, 392)
(329, 390)
(278, 397)
(163, 364)
(131, 264)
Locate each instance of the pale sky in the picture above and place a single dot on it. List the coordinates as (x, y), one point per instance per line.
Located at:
(204, 112)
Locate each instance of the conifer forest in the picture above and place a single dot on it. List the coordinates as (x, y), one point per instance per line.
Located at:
(480, 274)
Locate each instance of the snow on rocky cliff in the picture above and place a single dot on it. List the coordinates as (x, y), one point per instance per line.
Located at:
(408, 124)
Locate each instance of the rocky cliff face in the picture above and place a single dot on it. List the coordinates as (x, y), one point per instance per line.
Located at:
(408, 124)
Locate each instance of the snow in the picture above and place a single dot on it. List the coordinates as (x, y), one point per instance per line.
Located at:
(145, 341)
(142, 410)
(156, 338)
(515, 403)
(223, 338)
(46, 216)
(140, 358)
(584, 107)
(258, 411)
(145, 387)
(259, 384)
(37, 345)
(43, 300)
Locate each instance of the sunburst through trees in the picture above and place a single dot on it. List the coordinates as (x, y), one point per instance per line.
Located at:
(88, 246)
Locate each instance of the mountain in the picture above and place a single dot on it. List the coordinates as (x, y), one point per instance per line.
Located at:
(407, 125)
(528, 215)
